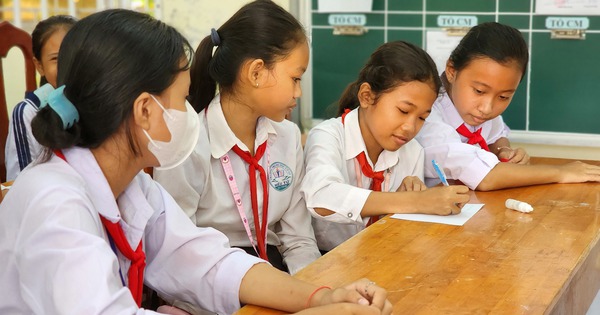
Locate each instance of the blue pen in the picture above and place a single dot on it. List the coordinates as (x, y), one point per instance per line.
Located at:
(440, 173)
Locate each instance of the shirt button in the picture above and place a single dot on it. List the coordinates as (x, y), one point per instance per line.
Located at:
(349, 215)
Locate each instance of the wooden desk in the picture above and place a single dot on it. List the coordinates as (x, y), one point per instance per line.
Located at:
(500, 262)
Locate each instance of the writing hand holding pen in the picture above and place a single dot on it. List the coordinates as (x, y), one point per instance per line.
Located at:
(440, 173)
(450, 198)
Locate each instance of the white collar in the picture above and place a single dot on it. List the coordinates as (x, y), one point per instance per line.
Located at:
(222, 138)
(355, 144)
(134, 207)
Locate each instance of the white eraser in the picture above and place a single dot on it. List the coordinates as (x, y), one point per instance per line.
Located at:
(518, 205)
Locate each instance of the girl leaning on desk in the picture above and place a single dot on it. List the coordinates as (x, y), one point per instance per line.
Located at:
(84, 229)
(465, 132)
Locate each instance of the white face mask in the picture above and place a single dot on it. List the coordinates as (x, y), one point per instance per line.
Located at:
(185, 130)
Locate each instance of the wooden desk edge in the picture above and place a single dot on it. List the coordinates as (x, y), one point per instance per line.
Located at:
(579, 291)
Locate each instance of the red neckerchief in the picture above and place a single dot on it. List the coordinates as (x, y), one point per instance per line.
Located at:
(367, 171)
(135, 275)
(253, 166)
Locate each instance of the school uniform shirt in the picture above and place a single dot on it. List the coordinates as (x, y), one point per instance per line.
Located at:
(21, 147)
(330, 181)
(201, 188)
(57, 259)
(462, 161)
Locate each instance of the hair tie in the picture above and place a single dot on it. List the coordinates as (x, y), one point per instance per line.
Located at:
(42, 93)
(214, 37)
(61, 105)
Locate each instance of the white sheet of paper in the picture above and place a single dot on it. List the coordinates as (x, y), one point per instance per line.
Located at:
(465, 214)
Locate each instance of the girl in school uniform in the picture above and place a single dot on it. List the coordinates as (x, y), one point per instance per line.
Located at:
(465, 133)
(244, 175)
(21, 147)
(85, 228)
(365, 163)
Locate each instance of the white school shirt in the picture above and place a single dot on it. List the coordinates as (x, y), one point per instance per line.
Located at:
(330, 181)
(21, 147)
(462, 161)
(57, 259)
(200, 186)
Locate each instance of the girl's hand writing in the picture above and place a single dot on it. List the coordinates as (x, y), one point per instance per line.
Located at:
(443, 200)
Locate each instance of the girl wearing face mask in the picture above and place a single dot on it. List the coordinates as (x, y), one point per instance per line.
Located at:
(365, 163)
(243, 178)
(465, 132)
(21, 147)
(85, 228)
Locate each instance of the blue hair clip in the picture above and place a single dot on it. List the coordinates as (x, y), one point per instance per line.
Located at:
(43, 92)
(63, 107)
(214, 37)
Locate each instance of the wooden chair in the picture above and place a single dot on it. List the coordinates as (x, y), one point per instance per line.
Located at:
(11, 36)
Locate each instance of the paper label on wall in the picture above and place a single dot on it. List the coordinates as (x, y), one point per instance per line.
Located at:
(347, 19)
(567, 23)
(439, 46)
(456, 20)
(568, 7)
(345, 6)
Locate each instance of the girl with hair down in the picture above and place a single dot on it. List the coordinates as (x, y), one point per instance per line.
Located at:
(244, 175)
(21, 147)
(465, 132)
(365, 163)
(85, 228)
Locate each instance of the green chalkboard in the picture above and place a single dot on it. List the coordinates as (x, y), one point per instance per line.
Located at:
(558, 94)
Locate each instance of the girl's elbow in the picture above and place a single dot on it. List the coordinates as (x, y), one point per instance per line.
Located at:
(485, 185)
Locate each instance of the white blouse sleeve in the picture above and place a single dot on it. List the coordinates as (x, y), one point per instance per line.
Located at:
(467, 163)
(326, 183)
(192, 264)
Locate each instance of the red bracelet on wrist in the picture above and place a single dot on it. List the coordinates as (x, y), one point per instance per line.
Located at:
(315, 292)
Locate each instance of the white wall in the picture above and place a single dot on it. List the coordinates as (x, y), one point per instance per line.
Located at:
(194, 19)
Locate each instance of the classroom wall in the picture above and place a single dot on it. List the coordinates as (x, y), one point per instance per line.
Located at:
(541, 115)
(195, 19)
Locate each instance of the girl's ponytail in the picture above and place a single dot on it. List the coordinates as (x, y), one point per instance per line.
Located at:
(202, 86)
(349, 99)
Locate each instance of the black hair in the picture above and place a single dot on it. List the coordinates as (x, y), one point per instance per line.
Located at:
(391, 65)
(105, 62)
(259, 30)
(499, 42)
(44, 29)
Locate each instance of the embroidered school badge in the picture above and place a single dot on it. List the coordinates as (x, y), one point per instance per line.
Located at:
(280, 176)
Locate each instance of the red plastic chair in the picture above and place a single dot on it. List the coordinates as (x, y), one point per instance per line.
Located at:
(11, 36)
